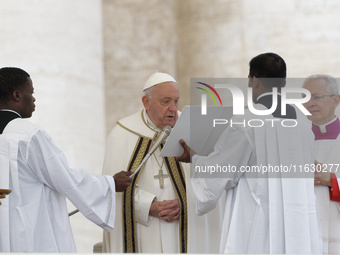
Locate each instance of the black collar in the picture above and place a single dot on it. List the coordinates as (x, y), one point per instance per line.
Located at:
(5, 118)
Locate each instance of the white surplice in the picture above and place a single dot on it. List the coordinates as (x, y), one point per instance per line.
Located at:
(41, 180)
(263, 214)
(154, 235)
(328, 152)
(4, 208)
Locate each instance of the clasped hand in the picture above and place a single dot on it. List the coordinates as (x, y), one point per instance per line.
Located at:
(167, 210)
(321, 177)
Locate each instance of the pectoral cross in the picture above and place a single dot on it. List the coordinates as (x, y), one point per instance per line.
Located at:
(160, 176)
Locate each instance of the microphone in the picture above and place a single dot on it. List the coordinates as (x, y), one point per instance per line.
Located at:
(161, 137)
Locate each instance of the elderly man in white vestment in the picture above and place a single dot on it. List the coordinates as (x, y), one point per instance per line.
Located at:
(264, 212)
(326, 128)
(34, 217)
(154, 214)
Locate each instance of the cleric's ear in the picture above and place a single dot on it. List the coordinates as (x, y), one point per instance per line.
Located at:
(336, 100)
(146, 102)
(256, 82)
(16, 96)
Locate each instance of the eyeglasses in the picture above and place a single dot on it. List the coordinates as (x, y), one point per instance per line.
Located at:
(320, 97)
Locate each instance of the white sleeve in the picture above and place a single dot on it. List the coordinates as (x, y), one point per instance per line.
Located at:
(116, 158)
(93, 195)
(143, 201)
(231, 151)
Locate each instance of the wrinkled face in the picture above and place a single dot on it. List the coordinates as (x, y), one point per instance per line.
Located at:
(162, 106)
(27, 105)
(322, 104)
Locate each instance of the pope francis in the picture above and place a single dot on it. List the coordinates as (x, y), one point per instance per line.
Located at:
(154, 214)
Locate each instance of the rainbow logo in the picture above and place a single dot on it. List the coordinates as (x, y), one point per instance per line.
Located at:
(209, 93)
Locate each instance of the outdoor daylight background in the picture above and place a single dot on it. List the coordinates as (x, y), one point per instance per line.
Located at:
(89, 59)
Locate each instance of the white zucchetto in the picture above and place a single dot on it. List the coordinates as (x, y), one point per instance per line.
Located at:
(157, 78)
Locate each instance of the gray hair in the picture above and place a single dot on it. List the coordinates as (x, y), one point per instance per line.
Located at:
(148, 92)
(332, 85)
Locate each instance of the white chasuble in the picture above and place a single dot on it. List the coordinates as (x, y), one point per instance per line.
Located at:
(41, 180)
(135, 230)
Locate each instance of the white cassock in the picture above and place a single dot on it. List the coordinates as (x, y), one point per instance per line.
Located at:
(137, 231)
(263, 213)
(327, 151)
(40, 180)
